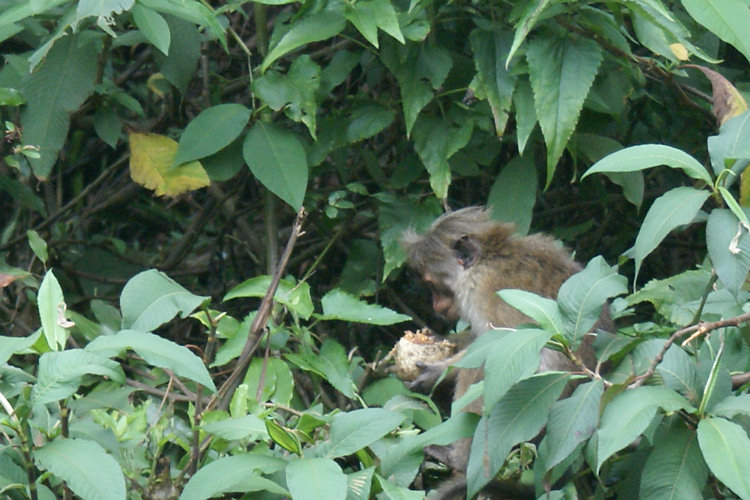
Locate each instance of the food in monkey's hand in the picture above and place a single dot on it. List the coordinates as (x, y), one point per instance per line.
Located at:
(419, 347)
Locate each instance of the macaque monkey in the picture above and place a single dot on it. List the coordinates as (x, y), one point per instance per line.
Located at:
(465, 258)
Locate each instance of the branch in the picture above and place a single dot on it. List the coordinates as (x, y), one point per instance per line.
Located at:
(224, 394)
(696, 331)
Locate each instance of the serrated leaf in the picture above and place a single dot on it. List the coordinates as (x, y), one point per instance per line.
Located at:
(541, 309)
(415, 92)
(513, 194)
(561, 72)
(151, 298)
(675, 468)
(367, 16)
(727, 19)
(212, 130)
(729, 248)
(340, 305)
(60, 373)
(488, 49)
(726, 448)
(82, 464)
(151, 158)
(58, 86)
(278, 160)
(646, 156)
(153, 27)
(435, 141)
(315, 478)
(674, 208)
(314, 28)
(51, 305)
(628, 415)
(331, 363)
(352, 431)
(156, 351)
(234, 474)
(572, 421)
(517, 417)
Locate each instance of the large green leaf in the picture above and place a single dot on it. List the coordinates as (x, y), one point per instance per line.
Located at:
(151, 298)
(489, 49)
(517, 417)
(235, 474)
(58, 86)
(315, 479)
(672, 209)
(727, 19)
(732, 143)
(352, 431)
(156, 351)
(675, 468)
(582, 296)
(513, 193)
(191, 11)
(331, 363)
(369, 15)
(51, 305)
(278, 160)
(541, 309)
(338, 304)
(153, 27)
(729, 248)
(732, 405)
(572, 421)
(179, 66)
(295, 296)
(314, 28)
(628, 415)
(212, 130)
(61, 373)
(515, 355)
(88, 470)
(646, 156)
(561, 72)
(726, 448)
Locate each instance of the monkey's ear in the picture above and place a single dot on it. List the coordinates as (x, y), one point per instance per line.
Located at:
(466, 251)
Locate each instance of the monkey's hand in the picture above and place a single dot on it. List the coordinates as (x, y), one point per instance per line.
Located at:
(430, 375)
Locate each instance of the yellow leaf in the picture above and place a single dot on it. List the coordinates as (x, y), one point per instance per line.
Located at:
(150, 159)
(728, 102)
(679, 51)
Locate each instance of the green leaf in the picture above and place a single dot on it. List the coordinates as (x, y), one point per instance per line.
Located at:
(233, 429)
(38, 245)
(338, 304)
(83, 465)
(354, 430)
(367, 120)
(277, 379)
(153, 27)
(561, 72)
(315, 479)
(583, 295)
(52, 307)
(730, 406)
(151, 298)
(415, 92)
(572, 421)
(513, 193)
(514, 356)
(14, 345)
(675, 467)
(488, 49)
(283, 438)
(58, 86)
(277, 159)
(193, 12)
(295, 296)
(156, 351)
(184, 51)
(541, 309)
(525, 114)
(107, 125)
(314, 28)
(531, 14)
(235, 474)
(727, 19)
(732, 143)
(646, 156)
(22, 194)
(729, 248)
(213, 129)
(630, 413)
(61, 373)
(672, 209)
(331, 363)
(726, 448)
(517, 417)
(367, 16)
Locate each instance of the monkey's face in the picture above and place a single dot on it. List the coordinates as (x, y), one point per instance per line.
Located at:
(443, 300)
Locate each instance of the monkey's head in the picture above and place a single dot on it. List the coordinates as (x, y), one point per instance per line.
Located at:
(449, 250)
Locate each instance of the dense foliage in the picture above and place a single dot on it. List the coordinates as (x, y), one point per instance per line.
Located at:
(199, 259)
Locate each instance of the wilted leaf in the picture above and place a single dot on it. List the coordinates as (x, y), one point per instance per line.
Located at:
(728, 102)
(151, 157)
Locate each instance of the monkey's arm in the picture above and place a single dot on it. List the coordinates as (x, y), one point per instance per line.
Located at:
(432, 373)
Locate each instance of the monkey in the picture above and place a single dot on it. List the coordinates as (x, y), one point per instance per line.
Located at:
(465, 258)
